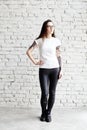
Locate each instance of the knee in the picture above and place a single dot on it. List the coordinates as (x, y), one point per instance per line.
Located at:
(44, 97)
(52, 93)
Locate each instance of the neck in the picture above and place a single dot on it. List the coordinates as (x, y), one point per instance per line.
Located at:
(48, 36)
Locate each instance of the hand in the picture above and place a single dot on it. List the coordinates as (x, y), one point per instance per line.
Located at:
(39, 62)
(60, 75)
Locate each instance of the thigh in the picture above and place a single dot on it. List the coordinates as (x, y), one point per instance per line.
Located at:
(53, 79)
(44, 80)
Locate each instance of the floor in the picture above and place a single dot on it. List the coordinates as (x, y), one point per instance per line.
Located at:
(28, 119)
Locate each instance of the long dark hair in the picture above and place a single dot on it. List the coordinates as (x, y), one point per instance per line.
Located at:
(44, 30)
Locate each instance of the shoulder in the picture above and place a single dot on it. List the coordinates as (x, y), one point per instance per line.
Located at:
(38, 41)
(57, 41)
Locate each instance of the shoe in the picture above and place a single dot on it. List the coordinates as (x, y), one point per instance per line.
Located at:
(43, 117)
(48, 117)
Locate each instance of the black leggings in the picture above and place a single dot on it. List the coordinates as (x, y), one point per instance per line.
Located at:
(48, 81)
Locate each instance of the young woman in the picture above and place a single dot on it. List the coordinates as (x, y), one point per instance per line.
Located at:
(49, 66)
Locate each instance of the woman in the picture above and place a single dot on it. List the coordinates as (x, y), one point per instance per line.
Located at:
(49, 66)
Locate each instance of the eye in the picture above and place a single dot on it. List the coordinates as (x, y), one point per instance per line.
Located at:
(50, 26)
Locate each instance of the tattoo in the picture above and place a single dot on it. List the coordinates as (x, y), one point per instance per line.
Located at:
(59, 60)
(57, 48)
(59, 57)
(33, 45)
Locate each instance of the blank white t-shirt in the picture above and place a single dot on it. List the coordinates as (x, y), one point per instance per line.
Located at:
(47, 49)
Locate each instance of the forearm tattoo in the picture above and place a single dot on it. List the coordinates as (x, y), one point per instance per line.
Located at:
(59, 57)
(59, 60)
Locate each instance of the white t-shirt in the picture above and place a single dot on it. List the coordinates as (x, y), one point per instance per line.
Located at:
(47, 49)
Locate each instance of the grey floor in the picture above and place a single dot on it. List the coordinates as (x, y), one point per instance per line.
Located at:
(28, 119)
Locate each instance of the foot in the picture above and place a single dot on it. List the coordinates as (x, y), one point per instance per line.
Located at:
(48, 117)
(43, 117)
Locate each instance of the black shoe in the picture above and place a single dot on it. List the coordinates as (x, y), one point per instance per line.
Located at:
(43, 117)
(48, 117)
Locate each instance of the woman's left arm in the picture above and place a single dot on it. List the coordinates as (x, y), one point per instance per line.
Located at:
(59, 61)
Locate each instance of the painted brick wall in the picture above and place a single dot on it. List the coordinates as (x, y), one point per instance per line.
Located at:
(20, 24)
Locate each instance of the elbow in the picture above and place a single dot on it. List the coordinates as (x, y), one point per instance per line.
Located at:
(28, 53)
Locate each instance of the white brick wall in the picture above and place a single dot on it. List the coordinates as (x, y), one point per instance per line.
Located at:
(20, 24)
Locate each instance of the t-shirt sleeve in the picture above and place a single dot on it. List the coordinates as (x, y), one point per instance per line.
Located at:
(58, 42)
(38, 41)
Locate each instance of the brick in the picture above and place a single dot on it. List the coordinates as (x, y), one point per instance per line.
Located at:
(20, 24)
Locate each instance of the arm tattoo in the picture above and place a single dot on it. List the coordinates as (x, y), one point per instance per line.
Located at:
(60, 66)
(33, 45)
(59, 61)
(59, 58)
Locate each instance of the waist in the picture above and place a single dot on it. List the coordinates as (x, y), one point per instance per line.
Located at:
(48, 64)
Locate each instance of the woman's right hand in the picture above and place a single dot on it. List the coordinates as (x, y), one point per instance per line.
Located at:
(40, 62)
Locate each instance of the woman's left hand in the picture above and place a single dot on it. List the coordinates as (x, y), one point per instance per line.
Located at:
(60, 75)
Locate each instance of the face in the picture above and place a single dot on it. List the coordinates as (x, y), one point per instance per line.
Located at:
(50, 28)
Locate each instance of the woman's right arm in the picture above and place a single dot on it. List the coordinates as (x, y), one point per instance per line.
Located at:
(29, 54)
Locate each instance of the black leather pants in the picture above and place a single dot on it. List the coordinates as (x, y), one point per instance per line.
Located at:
(48, 80)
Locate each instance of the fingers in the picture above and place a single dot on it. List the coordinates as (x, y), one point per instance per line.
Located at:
(40, 62)
(60, 75)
